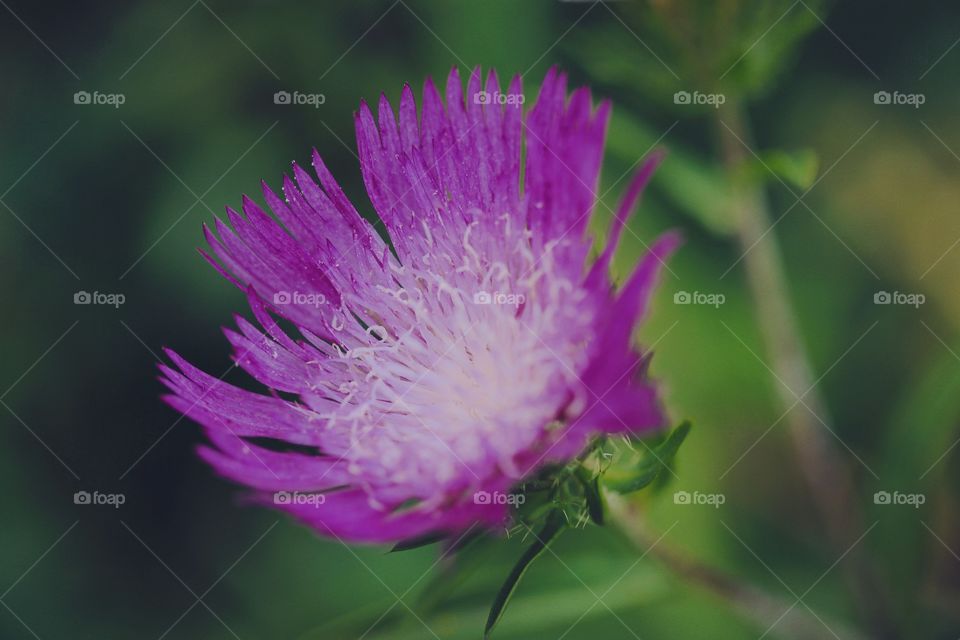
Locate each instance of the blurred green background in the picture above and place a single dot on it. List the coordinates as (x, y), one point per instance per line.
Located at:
(106, 199)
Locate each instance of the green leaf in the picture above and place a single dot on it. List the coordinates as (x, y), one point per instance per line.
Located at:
(419, 541)
(658, 458)
(464, 558)
(554, 525)
(797, 168)
(591, 491)
(540, 611)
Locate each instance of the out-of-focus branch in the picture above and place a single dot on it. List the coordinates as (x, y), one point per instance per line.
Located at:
(825, 471)
(777, 617)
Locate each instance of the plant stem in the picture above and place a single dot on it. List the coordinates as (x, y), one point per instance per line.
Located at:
(777, 616)
(831, 484)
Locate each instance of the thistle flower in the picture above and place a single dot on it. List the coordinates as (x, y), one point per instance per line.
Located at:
(437, 368)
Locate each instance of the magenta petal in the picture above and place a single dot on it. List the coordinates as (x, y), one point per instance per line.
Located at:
(408, 376)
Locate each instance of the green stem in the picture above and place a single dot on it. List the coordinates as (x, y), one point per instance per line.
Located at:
(830, 481)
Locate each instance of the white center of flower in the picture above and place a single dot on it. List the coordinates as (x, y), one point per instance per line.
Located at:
(467, 360)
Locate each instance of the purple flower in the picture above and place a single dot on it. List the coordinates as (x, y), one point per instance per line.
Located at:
(435, 370)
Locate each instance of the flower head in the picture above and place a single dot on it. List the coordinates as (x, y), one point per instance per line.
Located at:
(437, 367)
